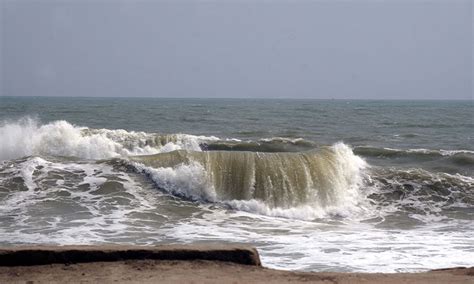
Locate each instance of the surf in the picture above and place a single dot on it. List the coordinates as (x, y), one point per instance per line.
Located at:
(28, 137)
(319, 179)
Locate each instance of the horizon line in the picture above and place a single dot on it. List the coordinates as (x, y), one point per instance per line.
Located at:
(245, 98)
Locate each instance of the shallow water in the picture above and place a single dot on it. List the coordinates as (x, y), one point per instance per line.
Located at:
(377, 186)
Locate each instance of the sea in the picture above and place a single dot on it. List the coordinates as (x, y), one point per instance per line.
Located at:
(314, 185)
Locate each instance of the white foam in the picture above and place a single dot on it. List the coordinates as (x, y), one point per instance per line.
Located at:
(99, 216)
(190, 181)
(26, 137)
(419, 201)
(93, 182)
(314, 246)
(282, 140)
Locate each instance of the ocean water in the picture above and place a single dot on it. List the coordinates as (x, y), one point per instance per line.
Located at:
(315, 185)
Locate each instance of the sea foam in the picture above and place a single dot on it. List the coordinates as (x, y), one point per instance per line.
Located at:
(27, 137)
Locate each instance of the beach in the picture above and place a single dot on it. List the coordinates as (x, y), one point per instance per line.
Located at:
(140, 268)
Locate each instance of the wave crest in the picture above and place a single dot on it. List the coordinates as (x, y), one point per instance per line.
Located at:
(27, 137)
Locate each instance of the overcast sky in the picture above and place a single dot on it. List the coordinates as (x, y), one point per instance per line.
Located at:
(306, 49)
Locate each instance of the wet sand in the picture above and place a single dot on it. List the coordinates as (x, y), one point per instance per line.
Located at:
(179, 264)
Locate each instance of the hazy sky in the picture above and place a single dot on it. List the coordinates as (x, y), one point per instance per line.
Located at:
(307, 49)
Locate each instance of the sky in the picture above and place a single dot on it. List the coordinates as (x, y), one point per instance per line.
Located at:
(372, 49)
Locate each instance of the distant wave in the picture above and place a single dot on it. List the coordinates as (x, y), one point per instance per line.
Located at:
(374, 151)
(459, 157)
(274, 144)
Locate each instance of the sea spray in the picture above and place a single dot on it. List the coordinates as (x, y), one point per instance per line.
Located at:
(27, 137)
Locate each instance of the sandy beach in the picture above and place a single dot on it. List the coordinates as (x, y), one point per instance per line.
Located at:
(179, 264)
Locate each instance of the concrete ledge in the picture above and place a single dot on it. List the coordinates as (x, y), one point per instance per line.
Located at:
(40, 255)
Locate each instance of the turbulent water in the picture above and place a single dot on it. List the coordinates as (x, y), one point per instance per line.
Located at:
(378, 186)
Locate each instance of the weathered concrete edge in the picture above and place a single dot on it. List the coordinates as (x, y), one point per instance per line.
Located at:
(40, 255)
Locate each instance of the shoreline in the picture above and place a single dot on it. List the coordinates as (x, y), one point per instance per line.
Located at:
(180, 263)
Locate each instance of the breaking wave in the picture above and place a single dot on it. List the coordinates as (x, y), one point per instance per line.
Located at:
(27, 137)
(293, 178)
(306, 184)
